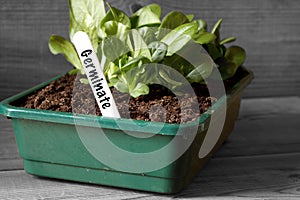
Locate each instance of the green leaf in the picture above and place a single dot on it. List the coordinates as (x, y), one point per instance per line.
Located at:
(122, 84)
(59, 45)
(111, 27)
(228, 70)
(171, 21)
(147, 15)
(233, 59)
(139, 89)
(205, 38)
(139, 46)
(73, 71)
(227, 40)
(180, 64)
(222, 49)
(133, 21)
(190, 17)
(94, 8)
(200, 72)
(216, 30)
(128, 83)
(104, 62)
(84, 81)
(158, 51)
(93, 35)
(113, 48)
(117, 29)
(202, 26)
(74, 26)
(148, 34)
(116, 15)
(214, 51)
(135, 62)
(179, 37)
(111, 71)
(236, 55)
(86, 16)
(168, 79)
(217, 26)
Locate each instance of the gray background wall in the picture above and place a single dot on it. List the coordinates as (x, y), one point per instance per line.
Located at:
(269, 31)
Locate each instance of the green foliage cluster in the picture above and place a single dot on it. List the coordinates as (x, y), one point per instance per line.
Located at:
(124, 43)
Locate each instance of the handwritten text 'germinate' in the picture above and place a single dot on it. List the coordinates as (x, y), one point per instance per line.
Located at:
(96, 81)
(96, 78)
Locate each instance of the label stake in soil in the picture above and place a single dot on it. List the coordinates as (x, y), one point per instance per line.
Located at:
(95, 75)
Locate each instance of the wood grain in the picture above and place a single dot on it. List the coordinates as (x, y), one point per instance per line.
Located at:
(24, 34)
(265, 126)
(267, 177)
(17, 184)
(268, 30)
(9, 157)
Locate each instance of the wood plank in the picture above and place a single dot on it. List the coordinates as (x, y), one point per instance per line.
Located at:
(17, 184)
(256, 108)
(24, 34)
(263, 136)
(265, 126)
(268, 30)
(9, 157)
(252, 177)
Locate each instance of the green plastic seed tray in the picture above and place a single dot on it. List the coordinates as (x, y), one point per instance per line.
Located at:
(54, 144)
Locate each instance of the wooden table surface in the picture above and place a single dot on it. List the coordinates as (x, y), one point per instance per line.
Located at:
(260, 160)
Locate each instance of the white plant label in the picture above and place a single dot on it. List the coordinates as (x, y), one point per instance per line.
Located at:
(95, 75)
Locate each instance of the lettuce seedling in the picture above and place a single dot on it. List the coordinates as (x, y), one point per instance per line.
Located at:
(126, 44)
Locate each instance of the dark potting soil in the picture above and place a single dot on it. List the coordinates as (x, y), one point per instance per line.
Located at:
(159, 105)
